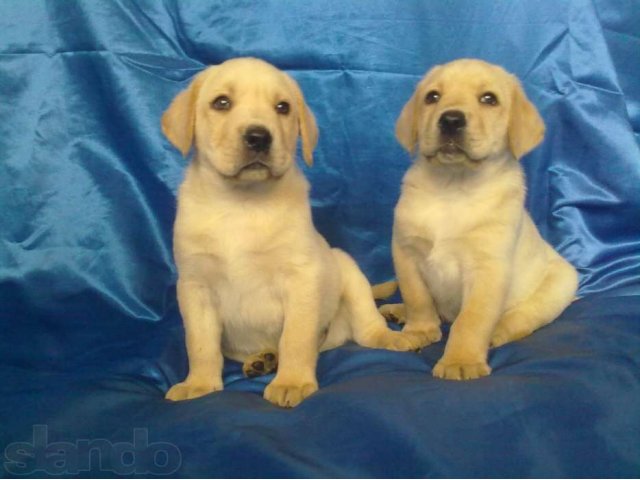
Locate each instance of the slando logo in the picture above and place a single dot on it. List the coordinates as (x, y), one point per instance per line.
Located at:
(123, 458)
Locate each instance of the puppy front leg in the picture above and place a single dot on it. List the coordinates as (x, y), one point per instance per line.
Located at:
(465, 355)
(422, 317)
(298, 346)
(203, 332)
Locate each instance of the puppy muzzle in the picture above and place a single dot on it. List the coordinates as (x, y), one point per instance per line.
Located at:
(257, 162)
(451, 126)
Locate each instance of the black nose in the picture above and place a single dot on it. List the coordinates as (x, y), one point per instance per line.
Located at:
(452, 122)
(257, 139)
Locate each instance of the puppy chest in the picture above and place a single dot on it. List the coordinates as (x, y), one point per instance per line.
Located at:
(442, 274)
(445, 212)
(249, 303)
(249, 299)
(437, 220)
(247, 279)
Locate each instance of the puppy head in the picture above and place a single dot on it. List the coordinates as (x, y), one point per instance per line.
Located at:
(466, 112)
(245, 117)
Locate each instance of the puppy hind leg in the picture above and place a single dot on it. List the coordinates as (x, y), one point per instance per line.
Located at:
(368, 326)
(262, 363)
(556, 291)
(394, 312)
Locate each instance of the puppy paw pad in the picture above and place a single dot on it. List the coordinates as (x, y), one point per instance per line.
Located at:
(393, 313)
(262, 363)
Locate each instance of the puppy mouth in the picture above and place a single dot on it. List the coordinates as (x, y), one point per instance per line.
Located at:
(257, 170)
(451, 148)
(450, 152)
(447, 152)
(255, 165)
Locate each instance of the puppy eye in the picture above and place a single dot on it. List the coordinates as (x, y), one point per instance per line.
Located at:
(432, 97)
(489, 98)
(221, 103)
(283, 108)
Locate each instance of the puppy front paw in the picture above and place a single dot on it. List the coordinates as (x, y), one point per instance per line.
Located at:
(192, 388)
(458, 369)
(289, 394)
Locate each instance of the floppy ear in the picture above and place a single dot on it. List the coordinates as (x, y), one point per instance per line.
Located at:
(178, 121)
(407, 124)
(526, 128)
(306, 123)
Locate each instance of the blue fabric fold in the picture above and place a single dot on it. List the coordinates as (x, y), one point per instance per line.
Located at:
(91, 336)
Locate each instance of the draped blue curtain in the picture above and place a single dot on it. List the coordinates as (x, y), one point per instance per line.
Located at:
(88, 189)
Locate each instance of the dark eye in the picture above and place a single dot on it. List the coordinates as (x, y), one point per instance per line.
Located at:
(221, 103)
(283, 108)
(489, 98)
(432, 97)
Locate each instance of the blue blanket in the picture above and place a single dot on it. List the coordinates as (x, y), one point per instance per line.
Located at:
(91, 336)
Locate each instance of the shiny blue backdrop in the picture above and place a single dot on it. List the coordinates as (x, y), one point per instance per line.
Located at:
(90, 335)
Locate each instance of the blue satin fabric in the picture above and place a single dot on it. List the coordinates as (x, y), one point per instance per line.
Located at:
(91, 334)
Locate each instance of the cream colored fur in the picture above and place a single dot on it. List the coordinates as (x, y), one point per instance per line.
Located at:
(464, 248)
(254, 274)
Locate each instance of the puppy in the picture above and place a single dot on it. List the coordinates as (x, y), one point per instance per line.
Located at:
(257, 283)
(464, 248)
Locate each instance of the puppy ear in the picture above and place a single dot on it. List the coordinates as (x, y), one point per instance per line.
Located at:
(407, 124)
(306, 123)
(308, 132)
(526, 127)
(178, 121)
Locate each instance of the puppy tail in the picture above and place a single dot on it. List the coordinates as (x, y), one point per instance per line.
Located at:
(384, 290)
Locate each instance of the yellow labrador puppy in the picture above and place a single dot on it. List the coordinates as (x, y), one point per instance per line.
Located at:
(464, 248)
(257, 283)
